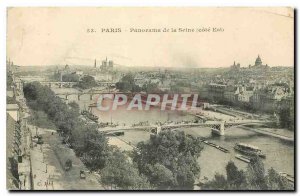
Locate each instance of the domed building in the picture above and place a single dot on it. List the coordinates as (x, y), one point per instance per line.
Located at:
(258, 64)
(258, 61)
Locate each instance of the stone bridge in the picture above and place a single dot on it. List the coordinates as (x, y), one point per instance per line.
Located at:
(92, 94)
(60, 84)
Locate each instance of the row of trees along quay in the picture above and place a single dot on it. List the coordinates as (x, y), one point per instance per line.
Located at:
(167, 161)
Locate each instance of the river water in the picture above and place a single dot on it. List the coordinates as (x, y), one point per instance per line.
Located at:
(279, 154)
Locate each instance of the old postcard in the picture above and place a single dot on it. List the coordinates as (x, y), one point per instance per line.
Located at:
(149, 98)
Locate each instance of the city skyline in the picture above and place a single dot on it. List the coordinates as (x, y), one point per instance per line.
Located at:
(98, 63)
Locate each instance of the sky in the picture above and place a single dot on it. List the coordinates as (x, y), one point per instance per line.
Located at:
(58, 36)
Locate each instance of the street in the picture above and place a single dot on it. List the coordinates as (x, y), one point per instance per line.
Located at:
(48, 161)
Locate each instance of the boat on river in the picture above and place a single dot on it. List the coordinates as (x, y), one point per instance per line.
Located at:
(243, 158)
(249, 150)
(287, 176)
(215, 146)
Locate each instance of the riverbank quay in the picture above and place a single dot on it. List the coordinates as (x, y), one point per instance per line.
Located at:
(48, 161)
(284, 135)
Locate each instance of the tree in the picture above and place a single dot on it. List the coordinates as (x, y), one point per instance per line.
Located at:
(95, 150)
(218, 183)
(87, 82)
(70, 78)
(254, 178)
(68, 163)
(176, 152)
(120, 173)
(127, 84)
(30, 91)
(9, 81)
(74, 106)
(150, 87)
(285, 117)
(160, 176)
(256, 174)
(235, 177)
(86, 139)
(277, 182)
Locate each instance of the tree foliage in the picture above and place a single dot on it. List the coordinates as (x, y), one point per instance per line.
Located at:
(120, 173)
(70, 78)
(127, 84)
(85, 139)
(87, 82)
(74, 106)
(9, 81)
(236, 178)
(173, 157)
(286, 117)
(151, 87)
(254, 178)
(87, 142)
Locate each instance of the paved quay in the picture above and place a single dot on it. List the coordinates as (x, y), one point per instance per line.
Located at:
(48, 165)
(281, 134)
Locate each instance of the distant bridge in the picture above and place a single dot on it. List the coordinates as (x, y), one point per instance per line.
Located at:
(65, 95)
(91, 94)
(60, 84)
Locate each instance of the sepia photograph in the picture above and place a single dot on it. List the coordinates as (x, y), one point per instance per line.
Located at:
(150, 99)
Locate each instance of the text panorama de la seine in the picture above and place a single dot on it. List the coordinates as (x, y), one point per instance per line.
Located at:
(157, 30)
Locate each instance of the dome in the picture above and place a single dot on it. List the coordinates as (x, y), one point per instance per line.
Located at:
(258, 61)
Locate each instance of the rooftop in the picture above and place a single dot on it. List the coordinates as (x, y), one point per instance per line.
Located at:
(12, 106)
